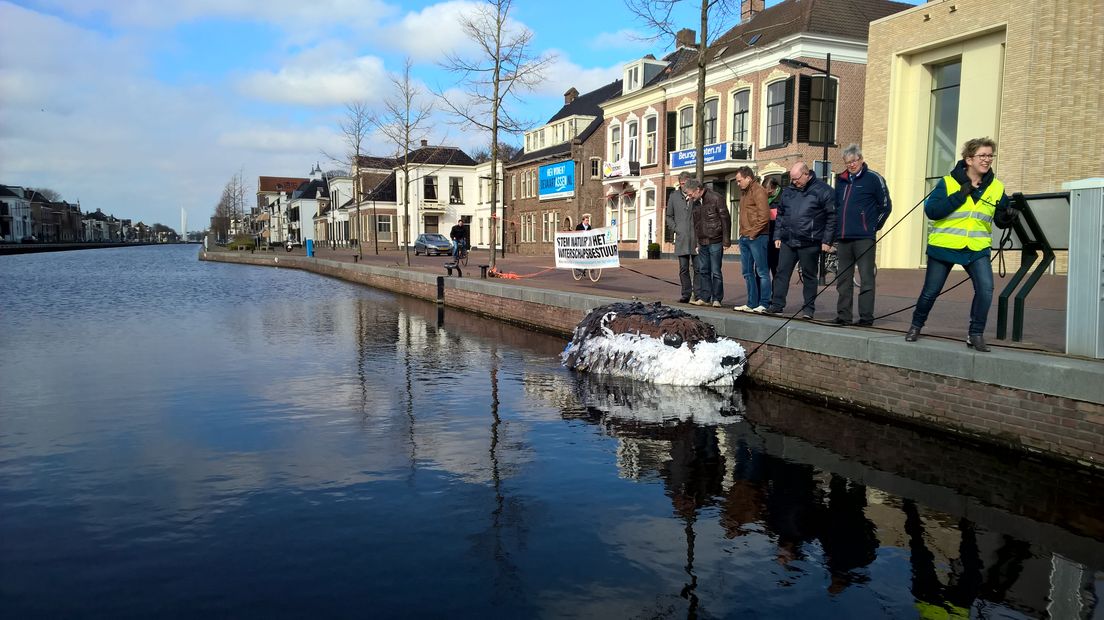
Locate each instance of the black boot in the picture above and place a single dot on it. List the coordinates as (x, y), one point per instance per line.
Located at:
(912, 334)
(977, 343)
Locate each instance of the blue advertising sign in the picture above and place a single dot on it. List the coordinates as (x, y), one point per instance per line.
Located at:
(557, 180)
(688, 157)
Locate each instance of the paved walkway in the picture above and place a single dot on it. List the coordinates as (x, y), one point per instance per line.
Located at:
(657, 280)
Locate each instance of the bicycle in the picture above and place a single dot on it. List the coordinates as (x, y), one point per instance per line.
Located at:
(461, 253)
(593, 274)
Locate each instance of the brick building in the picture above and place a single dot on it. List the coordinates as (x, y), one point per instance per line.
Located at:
(557, 177)
(759, 111)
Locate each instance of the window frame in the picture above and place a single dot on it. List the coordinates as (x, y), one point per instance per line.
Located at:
(784, 108)
(685, 132)
(457, 197)
(614, 145)
(632, 140)
(429, 182)
(650, 139)
(710, 124)
(744, 117)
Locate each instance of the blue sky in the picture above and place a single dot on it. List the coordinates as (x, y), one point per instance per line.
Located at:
(143, 107)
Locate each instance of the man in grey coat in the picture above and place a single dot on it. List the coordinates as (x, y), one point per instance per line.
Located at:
(680, 221)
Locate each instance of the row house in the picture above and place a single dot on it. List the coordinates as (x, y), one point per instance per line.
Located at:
(768, 104)
(273, 195)
(558, 176)
(442, 185)
(15, 214)
(331, 225)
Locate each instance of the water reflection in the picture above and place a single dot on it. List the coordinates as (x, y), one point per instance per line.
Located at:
(325, 449)
(829, 530)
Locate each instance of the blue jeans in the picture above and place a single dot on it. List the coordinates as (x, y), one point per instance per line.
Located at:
(981, 274)
(710, 282)
(753, 261)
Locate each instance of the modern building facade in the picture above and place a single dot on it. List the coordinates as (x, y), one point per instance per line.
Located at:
(1026, 75)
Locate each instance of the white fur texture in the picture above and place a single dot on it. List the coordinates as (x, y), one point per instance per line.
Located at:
(647, 359)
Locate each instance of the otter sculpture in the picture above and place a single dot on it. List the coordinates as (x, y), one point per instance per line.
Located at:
(653, 342)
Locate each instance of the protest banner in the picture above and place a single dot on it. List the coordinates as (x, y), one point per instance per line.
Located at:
(587, 249)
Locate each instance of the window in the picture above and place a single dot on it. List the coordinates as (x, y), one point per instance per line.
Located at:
(816, 110)
(430, 188)
(740, 119)
(650, 139)
(632, 78)
(513, 186)
(528, 143)
(710, 121)
(633, 140)
(670, 129)
(383, 227)
(542, 138)
(779, 112)
(943, 132)
(456, 190)
(686, 128)
(615, 143)
(595, 167)
(548, 224)
(629, 223)
(649, 200)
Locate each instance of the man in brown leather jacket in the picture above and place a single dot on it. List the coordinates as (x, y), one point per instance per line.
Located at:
(712, 226)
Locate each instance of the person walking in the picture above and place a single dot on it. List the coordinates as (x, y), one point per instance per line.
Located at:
(712, 225)
(962, 208)
(679, 219)
(806, 227)
(863, 206)
(754, 239)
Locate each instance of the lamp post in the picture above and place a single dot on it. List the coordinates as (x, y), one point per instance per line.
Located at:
(828, 88)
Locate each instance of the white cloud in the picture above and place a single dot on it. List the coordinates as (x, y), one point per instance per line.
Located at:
(291, 14)
(429, 34)
(626, 38)
(562, 74)
(308, 82)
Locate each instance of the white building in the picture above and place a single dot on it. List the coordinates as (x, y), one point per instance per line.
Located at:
(15, 214)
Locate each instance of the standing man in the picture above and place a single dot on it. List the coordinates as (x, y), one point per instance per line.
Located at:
(584, 222)
(806, 226)
(754, 237)
(863, 205)
(679, 219)
(712, 226)
(963, 207)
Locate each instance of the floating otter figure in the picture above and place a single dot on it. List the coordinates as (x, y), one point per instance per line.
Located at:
(653, 343)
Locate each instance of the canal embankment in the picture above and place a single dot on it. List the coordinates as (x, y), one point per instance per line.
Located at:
(1029, 400)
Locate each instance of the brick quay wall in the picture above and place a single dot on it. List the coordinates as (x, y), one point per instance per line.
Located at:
(1040, 403)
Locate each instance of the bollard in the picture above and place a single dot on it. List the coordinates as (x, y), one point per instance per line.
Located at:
(356, 259)
(483, 271)
(310, 247)
(440, 289)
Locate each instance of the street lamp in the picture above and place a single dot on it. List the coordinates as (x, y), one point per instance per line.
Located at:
(333, 221)
(828, 88)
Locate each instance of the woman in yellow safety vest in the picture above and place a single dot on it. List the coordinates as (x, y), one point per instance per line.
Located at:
(963, 208)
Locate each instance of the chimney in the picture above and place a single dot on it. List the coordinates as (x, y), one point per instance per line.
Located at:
(685, 38)
(425, 142)
(749, 9)
(570, 95)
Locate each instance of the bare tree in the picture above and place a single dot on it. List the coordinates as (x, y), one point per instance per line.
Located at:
(354, 128)
(506, 152)
(658, 17)
(48, 193)
(404, 122)
(501, 67)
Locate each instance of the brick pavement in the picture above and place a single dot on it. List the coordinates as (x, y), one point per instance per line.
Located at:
(897, 289)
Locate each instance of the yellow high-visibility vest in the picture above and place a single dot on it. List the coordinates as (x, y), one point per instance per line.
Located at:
(970, 225)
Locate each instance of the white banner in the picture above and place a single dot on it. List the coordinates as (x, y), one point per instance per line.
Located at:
(587, 249)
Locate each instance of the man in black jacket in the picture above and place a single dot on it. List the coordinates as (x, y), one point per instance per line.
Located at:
(459, 236)
(863, 203)
(806, 226)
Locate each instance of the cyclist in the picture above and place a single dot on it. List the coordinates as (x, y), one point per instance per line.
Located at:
(459, 235)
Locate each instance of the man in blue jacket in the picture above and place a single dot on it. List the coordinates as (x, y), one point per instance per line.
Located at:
(806, 226)
(862, 207)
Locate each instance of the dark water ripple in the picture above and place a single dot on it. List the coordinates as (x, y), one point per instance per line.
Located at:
(195, 439)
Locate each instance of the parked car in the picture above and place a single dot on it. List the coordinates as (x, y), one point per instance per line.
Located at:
(432, 243)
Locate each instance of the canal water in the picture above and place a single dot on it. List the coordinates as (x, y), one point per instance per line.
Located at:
(189, 439)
